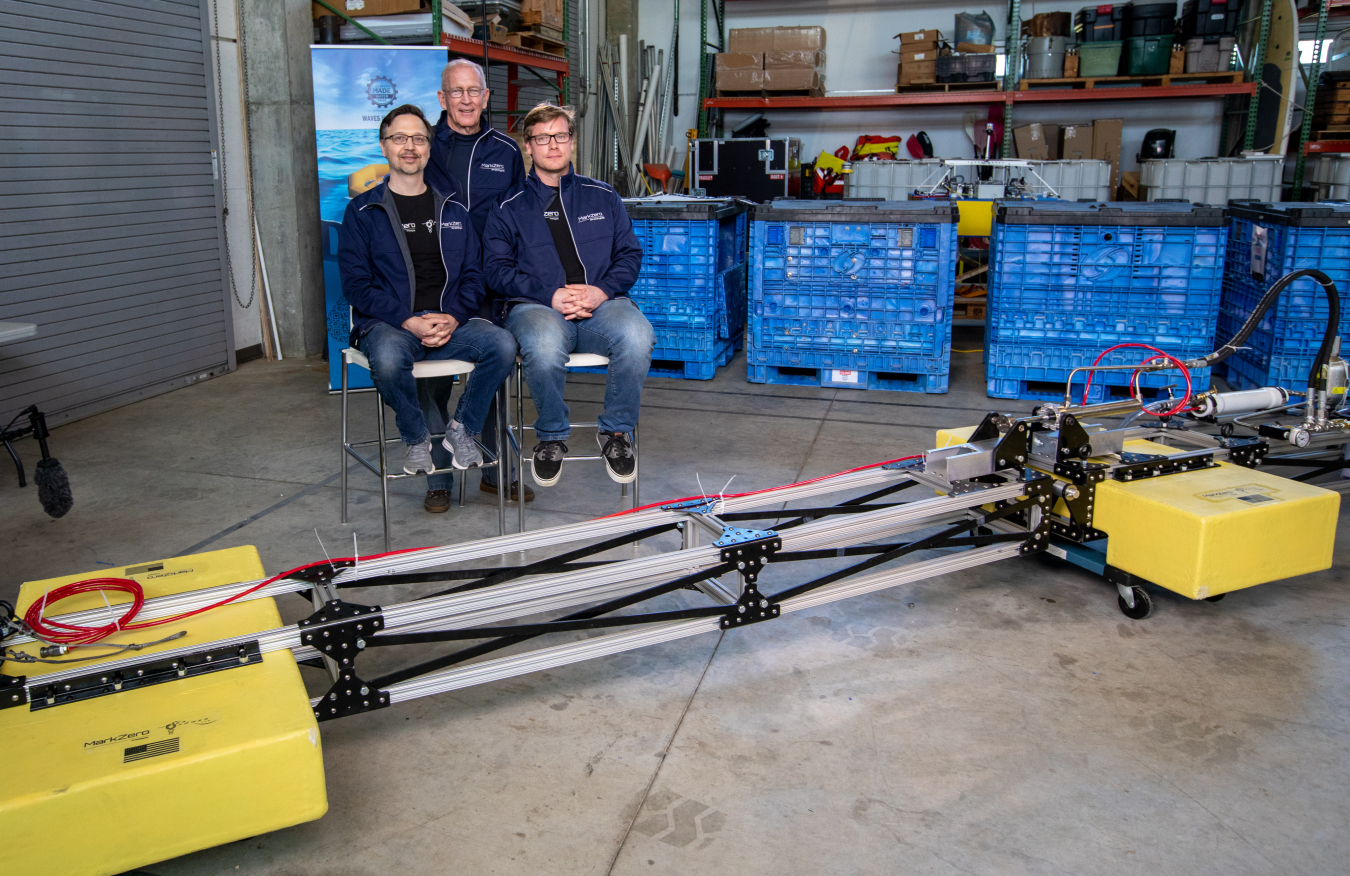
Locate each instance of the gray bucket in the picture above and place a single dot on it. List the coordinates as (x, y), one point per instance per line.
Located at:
(1045, 57)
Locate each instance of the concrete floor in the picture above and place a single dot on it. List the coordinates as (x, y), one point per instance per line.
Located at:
(1004, 720)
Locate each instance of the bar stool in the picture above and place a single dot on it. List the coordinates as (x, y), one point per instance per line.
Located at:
(421, 370)
(516, 433)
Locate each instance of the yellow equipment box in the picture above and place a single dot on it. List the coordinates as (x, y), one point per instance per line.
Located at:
(1205, 532)
(109, 784)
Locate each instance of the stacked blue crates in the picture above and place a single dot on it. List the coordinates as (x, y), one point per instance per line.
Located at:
(852, 295)
(693, 281)
(1068, 280)
(1265, 242)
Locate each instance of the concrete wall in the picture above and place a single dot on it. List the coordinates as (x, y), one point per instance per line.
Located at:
(861, 59)
(242, 264)
(276, 36)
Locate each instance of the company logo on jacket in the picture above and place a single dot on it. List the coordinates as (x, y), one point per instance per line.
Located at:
(551, 215)
(591, 217)
(410, 227)
(498, 168)
(453, 226)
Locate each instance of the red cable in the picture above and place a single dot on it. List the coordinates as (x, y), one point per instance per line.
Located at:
(1176, 362)
(60, 633)
(75, 634)
(766, 490)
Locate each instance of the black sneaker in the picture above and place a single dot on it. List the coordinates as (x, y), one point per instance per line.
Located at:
(548, 460)
(437, 501)
(617, 449)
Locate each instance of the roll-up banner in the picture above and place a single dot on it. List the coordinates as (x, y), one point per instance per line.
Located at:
(354, 86)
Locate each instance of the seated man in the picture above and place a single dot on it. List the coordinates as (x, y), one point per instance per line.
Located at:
(411, 270)
(563, 255)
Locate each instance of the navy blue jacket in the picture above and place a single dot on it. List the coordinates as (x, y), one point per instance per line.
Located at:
(496, 168)
(520, 260)
(377, 269)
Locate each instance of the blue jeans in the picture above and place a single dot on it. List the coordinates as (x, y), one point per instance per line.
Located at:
(617, 330)
(422, 409)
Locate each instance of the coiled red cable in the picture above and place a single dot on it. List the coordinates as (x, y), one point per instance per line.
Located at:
(1175, 409)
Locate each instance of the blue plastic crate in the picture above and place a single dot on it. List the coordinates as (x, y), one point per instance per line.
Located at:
(1158, 259)
(721, 300)
(683, 350)
(1290, 373)
(1297, 236)
(846, 370)
(1038, 328)
(1028, 372)
(785, 252)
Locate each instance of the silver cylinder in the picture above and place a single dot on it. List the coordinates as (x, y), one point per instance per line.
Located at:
(1247, 401)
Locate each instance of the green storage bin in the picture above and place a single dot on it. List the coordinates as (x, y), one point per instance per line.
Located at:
(1099, 59)
(1148, 56)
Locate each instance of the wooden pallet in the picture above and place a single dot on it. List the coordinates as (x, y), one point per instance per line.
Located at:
(536, 43)
(947, 87)
(552, 33)
(1165, 80)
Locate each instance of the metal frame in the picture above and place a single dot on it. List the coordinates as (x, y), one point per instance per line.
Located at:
(516, 438)
(480, 600)
(349, 450)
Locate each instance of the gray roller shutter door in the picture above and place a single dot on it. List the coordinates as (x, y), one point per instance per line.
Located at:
(109, 231)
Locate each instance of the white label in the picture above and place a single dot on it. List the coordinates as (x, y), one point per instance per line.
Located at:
(843, 377)
(355, 5)
(918, 57)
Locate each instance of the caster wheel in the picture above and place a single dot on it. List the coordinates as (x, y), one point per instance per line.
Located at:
(1143, 605)
(1215, 598)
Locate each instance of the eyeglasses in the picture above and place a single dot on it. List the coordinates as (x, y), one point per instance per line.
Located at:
(402, 139)
(561, 139)
(457, 93)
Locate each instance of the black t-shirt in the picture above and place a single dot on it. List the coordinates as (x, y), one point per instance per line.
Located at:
(418, 215)
(562, 240)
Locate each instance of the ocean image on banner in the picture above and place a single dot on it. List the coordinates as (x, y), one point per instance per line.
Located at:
(354, 86)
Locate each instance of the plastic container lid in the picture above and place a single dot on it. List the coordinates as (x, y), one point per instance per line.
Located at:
(856, 211)
(1050, 212)
(1327, 214)
(679, 207)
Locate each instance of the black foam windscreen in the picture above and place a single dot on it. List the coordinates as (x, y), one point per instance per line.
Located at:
(53, 487)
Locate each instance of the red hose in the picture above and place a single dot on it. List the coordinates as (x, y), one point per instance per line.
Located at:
(60, 633)
(1161, 355)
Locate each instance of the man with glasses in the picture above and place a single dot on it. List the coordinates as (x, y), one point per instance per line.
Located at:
(562, 254)
(410, 263)
(481, 165)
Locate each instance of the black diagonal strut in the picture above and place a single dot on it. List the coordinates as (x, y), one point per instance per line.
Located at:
(552, 564)
(595, 611)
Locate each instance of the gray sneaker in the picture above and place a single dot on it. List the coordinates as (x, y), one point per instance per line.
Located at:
(418, 461)
(463, 449)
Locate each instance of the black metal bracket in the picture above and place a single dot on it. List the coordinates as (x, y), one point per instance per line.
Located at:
(1084, 477)
(349, 695)
(339, 630)
(97, 684)
(1074, 440)
(1246, 452)
(1012, 449)
(1138, 466)
(12, 691)
(749, 550)
(322, 574)
(1040, 489)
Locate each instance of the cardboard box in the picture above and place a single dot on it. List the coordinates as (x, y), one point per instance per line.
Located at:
(975, 47)
(742, 79)
(757, 40)
(1051, 140)
(1106, 134)
(728, 61)
(794, 79)
(359, 8)
(918, 37)
(1071, 65)
(927, 54)
(549, 13)
(1177, 63)
(794, 59)
(917, 73)
(1075, 142)
(1030, 142)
